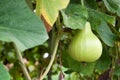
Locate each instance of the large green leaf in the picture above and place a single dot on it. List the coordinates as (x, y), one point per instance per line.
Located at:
(96, 18)
(4, 75)
(75, 16)
(20, 25)
(106, 34)
(113, 6)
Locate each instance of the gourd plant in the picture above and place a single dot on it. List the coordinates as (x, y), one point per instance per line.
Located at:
(80, 37)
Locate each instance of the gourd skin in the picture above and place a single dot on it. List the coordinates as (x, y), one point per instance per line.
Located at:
(85, 46)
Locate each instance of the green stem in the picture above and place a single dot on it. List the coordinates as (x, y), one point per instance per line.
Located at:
(54, 46)
(82, 2)
(20, 58)
(52, 59)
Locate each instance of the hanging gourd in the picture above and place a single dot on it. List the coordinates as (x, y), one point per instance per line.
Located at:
(85, 46)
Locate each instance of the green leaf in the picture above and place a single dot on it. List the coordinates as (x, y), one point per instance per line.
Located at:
(113, 6)
(96, 18)
(104, 62)
(20, 25)
(74, 76)
(99, 22)
(117, 70)
(91, 4)
(3, 73)
(84, 68)
(50, 9)
(75, 16)
(106, 34)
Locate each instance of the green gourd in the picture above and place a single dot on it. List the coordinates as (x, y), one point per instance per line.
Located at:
(85, 46)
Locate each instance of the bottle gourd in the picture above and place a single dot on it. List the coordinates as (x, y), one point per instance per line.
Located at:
(85, 46)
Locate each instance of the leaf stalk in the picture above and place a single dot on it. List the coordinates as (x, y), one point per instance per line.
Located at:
(54, 47)
(22, 65)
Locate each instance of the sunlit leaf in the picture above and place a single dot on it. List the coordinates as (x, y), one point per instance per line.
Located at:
(74, 76)
(50, 9)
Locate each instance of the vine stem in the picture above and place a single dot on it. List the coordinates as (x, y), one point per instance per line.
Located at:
(82, 2)
(52, 58)
(20, 58)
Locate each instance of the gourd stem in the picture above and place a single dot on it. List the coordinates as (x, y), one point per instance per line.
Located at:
(54, 47)
(82, 2)
(87, 27)
(52, 59)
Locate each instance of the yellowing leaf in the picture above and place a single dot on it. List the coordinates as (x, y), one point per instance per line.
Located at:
(49, 9)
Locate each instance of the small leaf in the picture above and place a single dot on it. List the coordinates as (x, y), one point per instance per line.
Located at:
(3, 73)
(106, 34)
(75, 16)
(96, 18)
(74, 76)
(49, 9)
(20, 25)
(113, 6)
